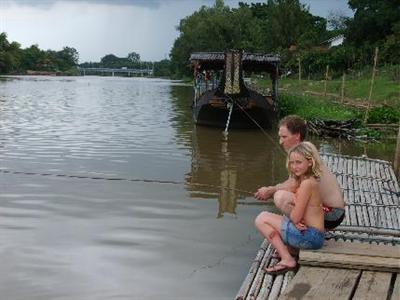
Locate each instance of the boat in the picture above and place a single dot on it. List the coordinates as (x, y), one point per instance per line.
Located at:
(223, 98)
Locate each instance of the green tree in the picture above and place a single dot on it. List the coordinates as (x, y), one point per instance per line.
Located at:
(373, 21)
(32, 58)
(162, 68)
(133, 57)
(10, 55)
(109, 61)
(69, 56)
(208, 29)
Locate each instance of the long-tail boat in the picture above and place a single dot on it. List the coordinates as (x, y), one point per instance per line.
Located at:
(222, 98)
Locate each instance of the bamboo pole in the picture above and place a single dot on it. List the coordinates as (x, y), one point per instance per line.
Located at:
(299, 59)
(326, 79)
(371, 86)
(342, 91)
(397, 156)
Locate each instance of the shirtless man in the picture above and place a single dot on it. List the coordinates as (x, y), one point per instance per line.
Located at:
(292, 131)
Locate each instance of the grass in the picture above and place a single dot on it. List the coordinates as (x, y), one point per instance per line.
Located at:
(357, 85)
(310, 107)
(307, 98)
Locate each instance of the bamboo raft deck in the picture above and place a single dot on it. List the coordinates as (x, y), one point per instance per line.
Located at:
(360, 259)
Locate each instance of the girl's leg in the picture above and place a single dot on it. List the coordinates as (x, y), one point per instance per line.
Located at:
(269, 224)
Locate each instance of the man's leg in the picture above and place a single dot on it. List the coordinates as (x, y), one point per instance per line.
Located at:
(284, 201)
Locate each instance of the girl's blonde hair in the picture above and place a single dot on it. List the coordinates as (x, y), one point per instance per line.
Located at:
(310, 152)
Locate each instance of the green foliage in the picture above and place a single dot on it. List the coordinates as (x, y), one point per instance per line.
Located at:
(132, 61)
(357, 85)
(383, 115)
(258, 27)
(162, 68)
(369, 133)
(373, 21)
(312, 107)
(14, 59)
(133, 57)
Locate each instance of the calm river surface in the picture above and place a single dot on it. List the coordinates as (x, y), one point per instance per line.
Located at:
(108, 191)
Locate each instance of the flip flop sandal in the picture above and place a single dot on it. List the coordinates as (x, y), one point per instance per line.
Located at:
(279, 269)
(276, 255)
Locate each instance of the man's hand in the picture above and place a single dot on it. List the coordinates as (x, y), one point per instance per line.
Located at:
(265, 192)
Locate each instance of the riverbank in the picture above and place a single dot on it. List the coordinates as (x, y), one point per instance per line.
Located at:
(318, 100)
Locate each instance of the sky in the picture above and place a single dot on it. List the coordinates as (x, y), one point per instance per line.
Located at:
(96, 28)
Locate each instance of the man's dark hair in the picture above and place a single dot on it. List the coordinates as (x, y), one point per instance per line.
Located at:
(295, 124)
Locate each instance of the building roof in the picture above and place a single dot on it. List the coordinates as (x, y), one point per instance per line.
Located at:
(250, 61)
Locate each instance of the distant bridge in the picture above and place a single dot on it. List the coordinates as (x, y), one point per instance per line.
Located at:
(116, 72)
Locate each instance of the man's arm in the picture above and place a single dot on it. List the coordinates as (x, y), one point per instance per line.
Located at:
(266, 192)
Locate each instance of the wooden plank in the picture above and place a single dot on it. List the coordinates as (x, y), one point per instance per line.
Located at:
(364, 212)
(360, 217)
(345, 261)
(321, 283)
(336, 163)
(383, 169)
(382, 217)
(276, 288)
(259, 277)
(344, 186)
(367, 194)
(265, 287)
(339, 247)
(349, 167)
(347, 215)
(371, 215)
(243, 291)
(370, 169)
(255, 266)
(353, 216)
(355, 168)
(363, 168)
(373, 285)
(350, 183)
(394, 212)
(386, 171)
(339, 179)
(396, 289)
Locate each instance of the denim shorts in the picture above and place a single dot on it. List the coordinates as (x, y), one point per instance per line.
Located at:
(311, 238)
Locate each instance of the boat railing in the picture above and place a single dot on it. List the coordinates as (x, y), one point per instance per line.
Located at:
(203, 85)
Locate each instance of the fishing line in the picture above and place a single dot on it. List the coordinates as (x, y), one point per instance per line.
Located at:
(274, 143)
(145, 180)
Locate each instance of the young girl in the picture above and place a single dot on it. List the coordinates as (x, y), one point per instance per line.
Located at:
(305, 227)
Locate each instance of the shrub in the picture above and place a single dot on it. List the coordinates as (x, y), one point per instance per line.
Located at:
(383, 115)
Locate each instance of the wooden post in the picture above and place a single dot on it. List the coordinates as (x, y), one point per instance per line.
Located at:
(372, 84)
(397, 156)
(299, 59)
(326, 79)
(342, 92)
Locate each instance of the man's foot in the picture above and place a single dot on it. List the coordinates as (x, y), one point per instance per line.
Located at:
(279, 268)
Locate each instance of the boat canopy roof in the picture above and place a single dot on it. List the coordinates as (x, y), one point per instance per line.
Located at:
(255, 62)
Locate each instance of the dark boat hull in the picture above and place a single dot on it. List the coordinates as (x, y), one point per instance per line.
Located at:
(252, 111)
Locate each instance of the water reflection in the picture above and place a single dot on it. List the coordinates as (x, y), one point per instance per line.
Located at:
(62, 236)
(233, 168)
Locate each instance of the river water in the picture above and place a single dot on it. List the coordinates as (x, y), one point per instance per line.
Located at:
(109, 191)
